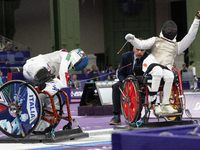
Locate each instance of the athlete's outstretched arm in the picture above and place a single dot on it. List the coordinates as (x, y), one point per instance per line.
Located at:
(189, 38)
(140, 44)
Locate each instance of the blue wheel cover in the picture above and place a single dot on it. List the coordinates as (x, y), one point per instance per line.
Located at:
(28, 104)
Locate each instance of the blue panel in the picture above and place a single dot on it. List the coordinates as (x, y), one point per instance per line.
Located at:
(68, 91)
(15, 56)
(18, 76)
(153, 139)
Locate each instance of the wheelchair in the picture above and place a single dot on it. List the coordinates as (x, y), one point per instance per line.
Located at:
(25, 110)
(134, 87)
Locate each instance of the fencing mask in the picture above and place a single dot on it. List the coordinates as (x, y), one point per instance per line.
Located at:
(169, 29)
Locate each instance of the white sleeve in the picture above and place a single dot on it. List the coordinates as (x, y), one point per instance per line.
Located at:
(64, 64)
(194, 71)
(143, 44)
(189, 38)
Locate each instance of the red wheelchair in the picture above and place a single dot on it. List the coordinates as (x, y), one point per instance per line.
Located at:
(131, 99)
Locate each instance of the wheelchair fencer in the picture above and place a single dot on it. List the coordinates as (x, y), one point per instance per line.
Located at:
(135, 95)
(25, 110)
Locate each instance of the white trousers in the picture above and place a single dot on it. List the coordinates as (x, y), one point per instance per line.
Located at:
(168, 76)
(193, 84)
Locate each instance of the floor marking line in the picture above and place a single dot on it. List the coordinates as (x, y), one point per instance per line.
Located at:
(73, 146)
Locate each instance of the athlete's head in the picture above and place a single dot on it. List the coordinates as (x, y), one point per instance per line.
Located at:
(169, 30)
(79, 60)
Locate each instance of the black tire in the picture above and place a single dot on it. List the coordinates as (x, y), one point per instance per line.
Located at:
(20, 109)
(130, 90)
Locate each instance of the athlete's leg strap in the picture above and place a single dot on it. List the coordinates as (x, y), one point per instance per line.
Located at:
(151, 66)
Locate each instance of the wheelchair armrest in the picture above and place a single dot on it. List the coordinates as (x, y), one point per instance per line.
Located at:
(148, 76)
(131, 77)
(140, 79)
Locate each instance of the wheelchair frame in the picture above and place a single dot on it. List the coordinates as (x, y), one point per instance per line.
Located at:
(19, 101)
(54, 114)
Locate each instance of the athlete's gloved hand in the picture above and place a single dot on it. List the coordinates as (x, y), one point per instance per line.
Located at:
(129, 37)
(195, 78)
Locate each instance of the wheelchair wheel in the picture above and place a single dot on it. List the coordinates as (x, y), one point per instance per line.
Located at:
(176, 101)
(46, 106)
(20, 109)
(130, 101)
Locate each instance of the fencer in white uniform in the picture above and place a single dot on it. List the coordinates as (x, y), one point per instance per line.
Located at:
(164, 49)
(46, 68)
(193, 83)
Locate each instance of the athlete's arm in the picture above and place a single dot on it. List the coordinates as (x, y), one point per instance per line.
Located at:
(64, 64)
(189, 38)
(140, 44)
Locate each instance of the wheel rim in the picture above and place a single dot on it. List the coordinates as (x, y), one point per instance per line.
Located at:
(18, 97)
(131, 108)
(57, 101)
(174, 99)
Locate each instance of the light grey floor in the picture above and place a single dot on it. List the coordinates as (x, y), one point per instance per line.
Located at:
(95, 136)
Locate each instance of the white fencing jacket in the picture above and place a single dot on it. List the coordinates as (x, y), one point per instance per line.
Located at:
(164, 51)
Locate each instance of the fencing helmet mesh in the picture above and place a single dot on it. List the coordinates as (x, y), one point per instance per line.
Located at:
(169, 29)
(79, 60)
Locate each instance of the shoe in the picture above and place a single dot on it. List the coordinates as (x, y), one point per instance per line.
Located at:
(158, 110)
(115, 120)
(168, 109)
